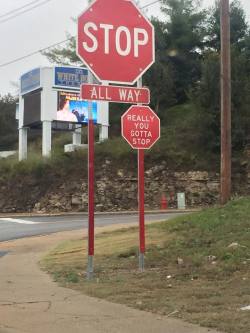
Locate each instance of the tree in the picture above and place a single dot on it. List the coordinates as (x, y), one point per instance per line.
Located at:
(207, 92)
(159, 78)
(8, 123)
(240, 98)
(238, 26)
(64, 55)
(206, 97)
(184, 36)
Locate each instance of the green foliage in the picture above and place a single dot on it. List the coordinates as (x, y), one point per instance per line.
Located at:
(206, 96)
(212, 232)
(184, 36)
(206, 92)
(71, 277)
(64, 55)
(159, 78)
(180, 143)
(116, 148)
(186, 25)
(240, 98)
(238, 25)
(8, 123)
(59, 165)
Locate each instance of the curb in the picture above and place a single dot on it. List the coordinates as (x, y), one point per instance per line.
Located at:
(129, 212)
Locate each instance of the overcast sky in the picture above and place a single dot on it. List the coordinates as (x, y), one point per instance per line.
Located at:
(41, 27)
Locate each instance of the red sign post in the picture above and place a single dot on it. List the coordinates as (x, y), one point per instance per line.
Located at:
(115, 41)
(141, 201)
(141, 129)
(119, 94)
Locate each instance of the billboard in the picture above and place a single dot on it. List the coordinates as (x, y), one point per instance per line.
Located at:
(71, 108)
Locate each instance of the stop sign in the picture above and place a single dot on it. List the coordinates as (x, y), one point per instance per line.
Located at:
(115, 41)
(140, 127)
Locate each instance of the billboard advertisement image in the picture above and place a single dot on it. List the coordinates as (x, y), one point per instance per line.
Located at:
(71, 108)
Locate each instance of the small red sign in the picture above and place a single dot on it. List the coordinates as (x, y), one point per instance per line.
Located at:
(116, 41)
(140, 127)
(117, 94)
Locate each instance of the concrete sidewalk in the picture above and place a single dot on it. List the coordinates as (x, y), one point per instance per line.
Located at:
(30, 302)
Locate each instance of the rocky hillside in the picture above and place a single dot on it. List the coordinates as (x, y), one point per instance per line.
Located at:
(60, 184)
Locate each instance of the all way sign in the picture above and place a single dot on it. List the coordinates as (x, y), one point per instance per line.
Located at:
(117, 94)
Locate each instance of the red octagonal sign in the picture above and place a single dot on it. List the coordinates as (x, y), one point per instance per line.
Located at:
(115, 41)
(140, 127)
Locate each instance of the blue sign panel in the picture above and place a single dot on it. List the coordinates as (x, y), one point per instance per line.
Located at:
(70, 77)
(30, 81)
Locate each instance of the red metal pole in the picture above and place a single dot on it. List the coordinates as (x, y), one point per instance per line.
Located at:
(141, 200)
(141, 207)
(91, 187)
(91, 193)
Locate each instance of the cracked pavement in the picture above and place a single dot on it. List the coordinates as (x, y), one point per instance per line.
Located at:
(30, 302)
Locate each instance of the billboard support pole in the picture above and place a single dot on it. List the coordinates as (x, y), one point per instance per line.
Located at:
(103, 132)
(104, 128)
(141, 201)
(77, 136)
(23, 143)
(91, 202)
(46, 140)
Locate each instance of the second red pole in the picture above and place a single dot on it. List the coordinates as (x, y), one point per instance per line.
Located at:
(141, 203)
(141, 208)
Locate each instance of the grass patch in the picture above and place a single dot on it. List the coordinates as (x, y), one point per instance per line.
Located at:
(197, 267)
(179, 146)
(59, 164)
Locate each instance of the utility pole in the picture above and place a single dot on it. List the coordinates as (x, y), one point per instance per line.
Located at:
(225, 185)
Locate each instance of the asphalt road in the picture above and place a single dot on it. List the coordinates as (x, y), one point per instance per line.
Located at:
(14, 228)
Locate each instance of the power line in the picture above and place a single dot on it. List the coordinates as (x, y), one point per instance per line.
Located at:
(19, 8)
(54, 45)
(24, 11)
(34, 53)
(150, 4)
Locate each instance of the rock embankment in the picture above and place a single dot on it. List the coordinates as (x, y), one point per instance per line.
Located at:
(116, 189)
